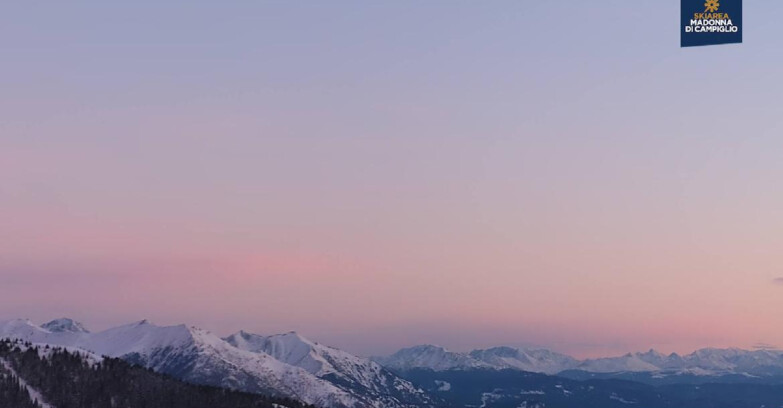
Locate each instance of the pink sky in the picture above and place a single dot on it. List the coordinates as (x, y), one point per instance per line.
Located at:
(460, 182)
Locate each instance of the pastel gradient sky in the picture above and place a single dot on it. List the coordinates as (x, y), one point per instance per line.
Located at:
(382, 174)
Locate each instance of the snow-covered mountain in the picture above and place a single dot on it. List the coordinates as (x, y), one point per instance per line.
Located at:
(290, 365)
(354, 374)
(67, 377)
(200, 357)
(627, 363)
(527, 359)
(437, 358)
(430, 357)
(758, 362)
(708, 361)
(701, 362)
(65, 325)
(660, 360)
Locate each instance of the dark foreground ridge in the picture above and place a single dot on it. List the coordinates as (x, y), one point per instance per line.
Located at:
(65, 379)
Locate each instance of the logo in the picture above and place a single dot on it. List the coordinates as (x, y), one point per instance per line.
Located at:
(711, 6)
(710, 22)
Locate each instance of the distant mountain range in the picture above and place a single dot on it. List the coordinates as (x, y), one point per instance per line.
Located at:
(491, 388)
(291, 366)
(704, 362)
(439, 359)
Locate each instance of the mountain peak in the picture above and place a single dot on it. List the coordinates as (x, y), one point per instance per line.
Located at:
(65, 325)
(348, 371)
(526, 359)
(429, 356)
(426, 347)
(498, 350)
(17, 327)
(18, 322)
(289, 347)
(293, 336)
(256, 341)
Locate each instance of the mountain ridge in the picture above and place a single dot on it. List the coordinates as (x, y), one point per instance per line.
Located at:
(705, 361)
(354, 373)
(38, 376)
(293, 366)
(200, 357)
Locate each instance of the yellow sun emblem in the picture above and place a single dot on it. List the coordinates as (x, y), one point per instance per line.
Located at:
(711, 6)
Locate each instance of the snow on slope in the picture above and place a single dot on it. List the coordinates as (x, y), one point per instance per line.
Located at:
(45, 350)
(20, 328)
(290, 348)
(735, 360)
(35, 395)
(627, 363)
(355, 374)
(293, 366)
(707, 361)
(26, 330)
(662, 361)
(300, 369)
(701, 362)
(439, 359)
(193, 355)
(528, 359)
(430, 357)
(65, 325)
(199, 356)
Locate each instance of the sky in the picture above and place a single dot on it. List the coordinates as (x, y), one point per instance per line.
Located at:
(376, 175)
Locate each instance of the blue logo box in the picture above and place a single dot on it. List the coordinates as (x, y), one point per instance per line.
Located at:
(710, 22)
